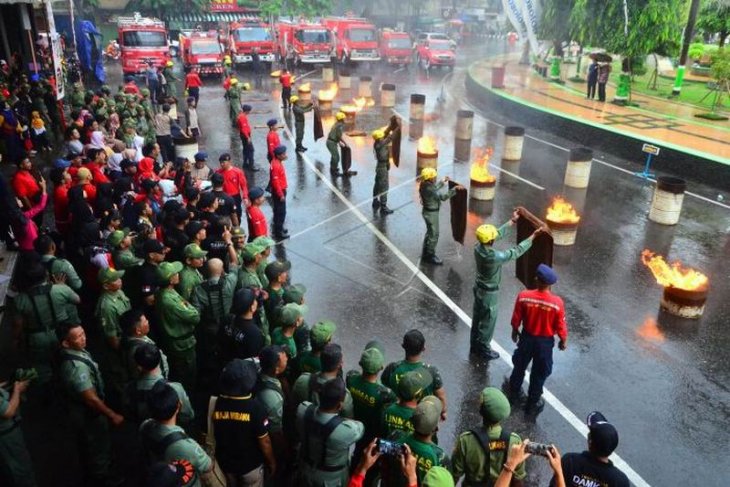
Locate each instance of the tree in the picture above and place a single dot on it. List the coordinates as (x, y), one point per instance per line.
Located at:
(306, 8)
(159, 7)
(555, 20)
(714, 18)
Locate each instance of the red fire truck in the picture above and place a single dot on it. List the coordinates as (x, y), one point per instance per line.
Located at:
(246, 34)
(396, 47)
(141, 40)
(201, 50)
(305, 43)
(355, 39)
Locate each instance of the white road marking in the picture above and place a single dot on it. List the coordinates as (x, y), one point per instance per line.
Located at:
(563, 410)
(526, 181)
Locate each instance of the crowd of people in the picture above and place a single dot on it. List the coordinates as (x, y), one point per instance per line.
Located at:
(205, 355)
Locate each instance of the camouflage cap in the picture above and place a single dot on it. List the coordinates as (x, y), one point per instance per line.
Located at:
(413, 383)
(264, 241)
(322, 332)
(427, 415)
(116, 237)
(109, 275)
(294, 293)
(168, 269)
(438, 477)
(250, 251)
(493, 405)
(193, 251)
(290, 313)
(238, 233)
(372, 359)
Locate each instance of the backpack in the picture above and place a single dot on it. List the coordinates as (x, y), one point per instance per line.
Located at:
(313, 429)
(484, 441)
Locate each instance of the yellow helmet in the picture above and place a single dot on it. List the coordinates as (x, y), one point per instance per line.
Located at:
(428, 173)
(293, 98)
(169, 64)
(378, 134)
(227, 59)
(234, 81)
(246, 86)
(340, 116)
(486, 233)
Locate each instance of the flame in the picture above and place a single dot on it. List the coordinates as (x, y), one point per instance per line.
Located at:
(349, 109)
(427, 145)
(562, 212)
(360, 102)
(649, 329)
(305, 87)
(674, 275)
(275, 74)
(480, 169)
(328, 94)
(370, 103)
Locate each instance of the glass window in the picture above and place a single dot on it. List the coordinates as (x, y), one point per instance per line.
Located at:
(141, 38)
(440, 45)
(199, 48)
(361, 35)
(251, 34)
(401, 43)
(313, 36)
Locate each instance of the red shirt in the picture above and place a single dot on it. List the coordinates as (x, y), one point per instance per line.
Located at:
(131, 88)
(243, 126)
(192, 80)
(257, 225)
(277, 176)
(60, 204)
(285, 80)
(272, 142)
(97, 174)
(234, 182)
(25, 185)
(541, 314)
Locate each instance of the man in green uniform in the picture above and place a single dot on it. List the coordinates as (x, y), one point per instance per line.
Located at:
(334, 140)
(266, 243)
(326, 438)
(269, 391)
(381, 147)
(40, 309)
(234, 101)
(300, 107)
(248, 277)
(431, 199)
(480, 452)
(163, 440)
(190, 276)
(369, 398)
(308, 386)
(396, 419)
(59, 270)
(110, 307)
(309, 361)
(277, 272)
(178, 320)
(425, 423)
(486, 288)
(122, 255)
(171, 79)
(414, 344)
(148, 357)
(135, 330)
(294, 293)
(15, 460)
(89, 416)
(290, 317)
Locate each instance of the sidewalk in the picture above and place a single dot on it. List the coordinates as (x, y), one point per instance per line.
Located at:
(655, 121)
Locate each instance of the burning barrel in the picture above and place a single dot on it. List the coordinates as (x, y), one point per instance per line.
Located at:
(350, 112)
(514, 138)
(328, 74)
(365, 88)
(685, 289)
(666, 205)
(326, 97)
(345, 80)
(427, 154)
(578, 172)
(481, 182)
(563, 222)
(387, 95)
(305, 92)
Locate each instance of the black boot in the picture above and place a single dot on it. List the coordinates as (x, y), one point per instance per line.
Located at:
(385, 210)
(376, 203)
(535, 407)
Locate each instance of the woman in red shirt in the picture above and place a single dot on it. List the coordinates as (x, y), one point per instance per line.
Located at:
(25, 185)
(61, 180)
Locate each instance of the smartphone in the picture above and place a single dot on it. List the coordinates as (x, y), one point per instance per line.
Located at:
(541, 449)
(390, 448)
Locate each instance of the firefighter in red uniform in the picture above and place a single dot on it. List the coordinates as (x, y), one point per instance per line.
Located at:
(285, 79)
(193, 84)
(244, 130)
(272, 138)
(277, 178)
(257, 224)
(131, 87)
(542, 316)
(234, 183)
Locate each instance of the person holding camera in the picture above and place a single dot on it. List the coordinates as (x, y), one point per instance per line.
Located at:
(520, 452)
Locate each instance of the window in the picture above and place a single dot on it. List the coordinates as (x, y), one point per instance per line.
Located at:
(313, 36)
(440, 45)
(199, 48)
(361, 35)
(400, 43)
(251, 34)
(142, 38)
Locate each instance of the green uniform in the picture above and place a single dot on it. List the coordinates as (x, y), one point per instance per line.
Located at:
(234, 102)
(189, 278)
(178, 320)
(135, 398)
(109, 309)
(369, 401)
(306, 362)
(271, 395)
(278, 338)
(261, 272)
(78, 373)
(185, 448)
(14, 457)
(130, 345)
(306, 387)
(299, 112)
(427, 455)
(333, 141)
(124, 259)
(58, 266)
(395, 370)
(251, 279)
(382, 156)
(489, 263)
(42, 308)
(431, 200)
(396, 421)
(470, 459)
(171, 79)
(325, 462)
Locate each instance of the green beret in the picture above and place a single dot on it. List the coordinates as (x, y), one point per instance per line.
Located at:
(493, 405)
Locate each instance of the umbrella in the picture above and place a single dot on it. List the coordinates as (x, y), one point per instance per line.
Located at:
(601, 57)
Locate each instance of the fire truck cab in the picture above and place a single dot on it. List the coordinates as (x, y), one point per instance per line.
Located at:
(396, 47)
(304, 43)
(355, 39)
(201, 50)
(249, 33)
(141, 40)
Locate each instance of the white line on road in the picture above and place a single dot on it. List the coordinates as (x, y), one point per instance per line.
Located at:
(566, 413)
(526, 181)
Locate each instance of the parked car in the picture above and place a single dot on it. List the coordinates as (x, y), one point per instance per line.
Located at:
(435, 52)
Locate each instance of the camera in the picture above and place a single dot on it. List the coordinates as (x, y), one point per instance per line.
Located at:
(538, 449)
(390, 448)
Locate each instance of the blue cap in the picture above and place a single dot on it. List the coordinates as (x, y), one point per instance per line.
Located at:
(272, 121)
(279, 150)
(546, 274)
(255, 193)
(201, 156)
(246, 108)
(61, 163)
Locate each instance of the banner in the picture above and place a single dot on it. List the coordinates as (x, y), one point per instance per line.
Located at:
(514, 14)
(57, 52)
(531, 15)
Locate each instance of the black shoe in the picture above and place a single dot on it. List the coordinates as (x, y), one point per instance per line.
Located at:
(253, 168)
(284, 231)
(485, 355)
(385, 210)
(514, 398)
(350, 173)
(335, 174)
(299, 149)
(376, 204)
(281, 236)
(535, 407)
(432, 259)
(303, 149)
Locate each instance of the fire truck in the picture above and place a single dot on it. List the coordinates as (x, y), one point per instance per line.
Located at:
(396, 47)
(201, 50)
(141, 40)
(246, 34)
(305, 43)
(355, 39)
